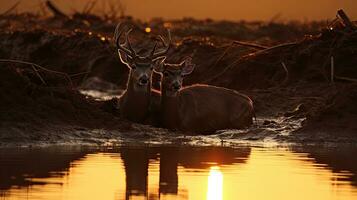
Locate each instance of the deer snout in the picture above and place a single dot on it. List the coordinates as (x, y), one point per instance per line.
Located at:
(176, 86)
(143, 80)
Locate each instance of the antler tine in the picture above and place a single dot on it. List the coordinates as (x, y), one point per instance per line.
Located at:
(167, 46)
(162, 40)
(153, 50)
(128, 41)
(117, 36)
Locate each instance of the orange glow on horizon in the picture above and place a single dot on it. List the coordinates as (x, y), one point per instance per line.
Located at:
(214, 9)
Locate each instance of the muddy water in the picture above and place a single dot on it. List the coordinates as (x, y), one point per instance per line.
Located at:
(178, 173)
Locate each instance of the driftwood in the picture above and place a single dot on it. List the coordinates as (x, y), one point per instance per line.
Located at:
(56, 11)
(346, 20)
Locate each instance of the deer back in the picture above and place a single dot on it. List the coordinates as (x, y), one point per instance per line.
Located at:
(204, 108)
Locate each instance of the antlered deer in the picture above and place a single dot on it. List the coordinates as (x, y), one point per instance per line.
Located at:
(200, 108)
(137, 100)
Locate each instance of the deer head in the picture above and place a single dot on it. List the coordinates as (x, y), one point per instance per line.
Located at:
(173, 75)
(141, 67)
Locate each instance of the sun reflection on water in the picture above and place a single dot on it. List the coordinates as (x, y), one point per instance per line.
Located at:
(215, 184)
(267, 174)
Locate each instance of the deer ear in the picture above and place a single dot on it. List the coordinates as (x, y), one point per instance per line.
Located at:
(159, 64)
(124, 58)
(187, 66)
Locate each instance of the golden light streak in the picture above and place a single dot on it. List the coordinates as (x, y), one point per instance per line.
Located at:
(215, 184)
(268, 174)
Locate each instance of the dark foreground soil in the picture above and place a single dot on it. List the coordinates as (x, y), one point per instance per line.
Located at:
(287, 73)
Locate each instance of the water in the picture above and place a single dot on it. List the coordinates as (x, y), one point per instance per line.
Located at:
(211, 173)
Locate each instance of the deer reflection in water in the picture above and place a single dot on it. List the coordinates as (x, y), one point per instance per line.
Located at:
(175, 172)
(136, 162)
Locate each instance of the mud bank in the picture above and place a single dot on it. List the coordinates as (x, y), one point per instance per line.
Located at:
(290, 84)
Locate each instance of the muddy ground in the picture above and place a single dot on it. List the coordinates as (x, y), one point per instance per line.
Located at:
(285, 69)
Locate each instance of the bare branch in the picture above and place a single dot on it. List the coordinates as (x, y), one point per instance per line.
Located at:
(39, 67)
(57, 12)
(255, 46)
(346, 78)
(332, 69)
(286, 72)
(89, 7)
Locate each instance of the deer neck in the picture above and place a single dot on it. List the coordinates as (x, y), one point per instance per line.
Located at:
(135, 104)
(170, 109)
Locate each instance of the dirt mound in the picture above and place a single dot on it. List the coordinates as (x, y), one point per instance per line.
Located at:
(336, 118)
(288, 64)
(29, 111)
(76, 53)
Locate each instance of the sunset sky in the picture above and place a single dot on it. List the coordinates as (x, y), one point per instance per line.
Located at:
(215, 9)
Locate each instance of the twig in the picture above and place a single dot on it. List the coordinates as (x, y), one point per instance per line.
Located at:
(241, 59)
(86, 6)
(332, 70)
(40, 67)
(57, 12)
(38, 74)
(89, 7)
(224, 70)
(78, 74)
(333, 22)
(346, 78)
(220, 57)
(301, 97)
(42, 7)
(278, 47)
(286, 71)
(345, 19)
(333, 76)
(11, 8)
(255, 46)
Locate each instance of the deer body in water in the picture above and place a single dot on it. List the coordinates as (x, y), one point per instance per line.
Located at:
(138, 99)
(200, 108)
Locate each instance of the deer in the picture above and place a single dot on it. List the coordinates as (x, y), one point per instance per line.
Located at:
(199, 108)
(139, 99)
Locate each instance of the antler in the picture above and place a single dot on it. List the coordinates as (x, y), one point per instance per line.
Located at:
(153, 50)
(154, 54)
(117, 35)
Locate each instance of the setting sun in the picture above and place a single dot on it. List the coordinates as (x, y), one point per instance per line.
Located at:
(148, 29)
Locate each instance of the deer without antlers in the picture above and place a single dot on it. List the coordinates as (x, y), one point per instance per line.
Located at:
(200, 108)
(137, 100)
